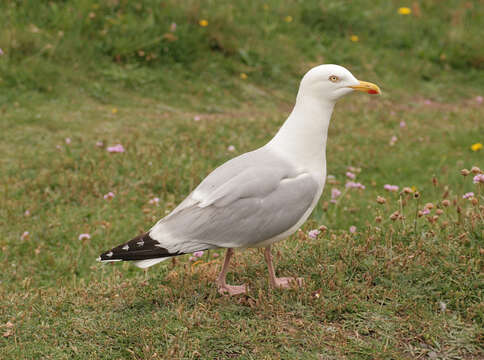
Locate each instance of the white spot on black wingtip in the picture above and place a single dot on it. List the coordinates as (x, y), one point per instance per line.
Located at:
(125, 247)
(109, 254)
(140, 243)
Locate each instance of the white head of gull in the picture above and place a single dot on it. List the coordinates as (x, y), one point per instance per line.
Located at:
(256, 198)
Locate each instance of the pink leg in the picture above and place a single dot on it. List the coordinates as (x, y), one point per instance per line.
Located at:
(284, 282)
(223, 287)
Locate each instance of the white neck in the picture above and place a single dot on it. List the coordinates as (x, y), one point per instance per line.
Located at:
(302, 137)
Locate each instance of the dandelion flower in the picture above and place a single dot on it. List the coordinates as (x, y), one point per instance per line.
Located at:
(288, 19)
(109, 196)
(354, 38)
(198, 254)
(476, 146)
(118, 148)
(203, 23)
(352, 229)
(25, 235)
(404, 11)
(243, 76)
(313, 234)
(84, 237)
(114, 111)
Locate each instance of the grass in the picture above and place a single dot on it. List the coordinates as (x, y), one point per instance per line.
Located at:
(395, 289)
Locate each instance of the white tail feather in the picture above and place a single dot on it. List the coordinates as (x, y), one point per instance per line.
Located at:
(143, 264)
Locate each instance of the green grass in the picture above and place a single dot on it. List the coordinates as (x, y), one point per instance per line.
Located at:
(116, 77)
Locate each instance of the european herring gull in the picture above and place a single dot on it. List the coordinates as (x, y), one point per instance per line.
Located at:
(259, 197)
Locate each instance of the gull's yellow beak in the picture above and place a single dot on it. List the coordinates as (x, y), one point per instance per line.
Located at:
(367, 87)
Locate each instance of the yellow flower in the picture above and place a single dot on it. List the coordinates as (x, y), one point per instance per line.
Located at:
(404, 11)
(243, 76)
(476, 147)
(414, 188)
(288, 19)
(266, 7)
(354, 38)
(114, 110)
(203, 23)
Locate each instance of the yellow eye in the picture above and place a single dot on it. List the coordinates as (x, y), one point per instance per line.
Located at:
(333, 78)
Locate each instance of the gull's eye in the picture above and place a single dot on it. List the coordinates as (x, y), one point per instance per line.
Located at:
(333, 78)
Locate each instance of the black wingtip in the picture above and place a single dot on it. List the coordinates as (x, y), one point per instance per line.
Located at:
(142, 247)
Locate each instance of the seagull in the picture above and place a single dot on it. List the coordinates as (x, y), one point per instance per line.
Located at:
(256, 198)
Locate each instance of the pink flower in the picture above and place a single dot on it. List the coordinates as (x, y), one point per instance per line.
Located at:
(198, 254)
(215, 255)
(58, 147)
(155, 200)
(426, 211)
(231, 148)
(335, 193)
(350, 175)
(427, 102)
(197, 118)
(68, 141)
(403, 124)
(388, 187)
(352, 229)
(479, 178)
(1, 52)
(25, 235)
(173, 27)
(99, 144)
(27, 213)
(468, 195)
(109, 196)
(313, 234)
(354, 185)
(84, 237)
(192, 258)
(393, 140)
(118, 148)
(479, 98)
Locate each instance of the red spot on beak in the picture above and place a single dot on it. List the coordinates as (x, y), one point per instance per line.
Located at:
(372, 91)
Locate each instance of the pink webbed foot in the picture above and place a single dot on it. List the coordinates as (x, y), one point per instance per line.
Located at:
(232, 289)
(287, 282)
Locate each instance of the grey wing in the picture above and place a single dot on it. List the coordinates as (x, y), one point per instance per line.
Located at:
(239, 205)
